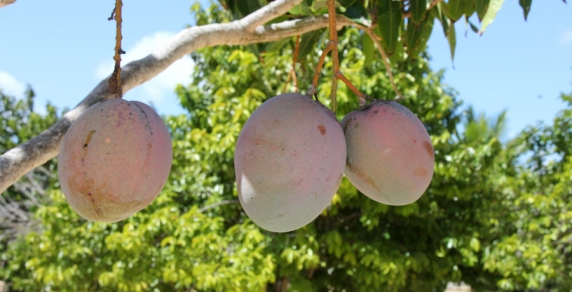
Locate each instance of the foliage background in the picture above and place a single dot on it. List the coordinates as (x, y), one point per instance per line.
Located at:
(496, 215)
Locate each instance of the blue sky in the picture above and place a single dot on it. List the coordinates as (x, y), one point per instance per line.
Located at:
(64, 48)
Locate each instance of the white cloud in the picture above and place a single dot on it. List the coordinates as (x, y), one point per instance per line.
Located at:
(160, 87)
(566, 37)
(10, 85)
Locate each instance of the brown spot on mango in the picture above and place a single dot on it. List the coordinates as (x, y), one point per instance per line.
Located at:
(420, 172)
(428, 148)
(322, 129)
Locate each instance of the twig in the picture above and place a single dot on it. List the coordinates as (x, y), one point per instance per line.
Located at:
(329, 47)
(292, 73)
(34, 183)
(225, 202)
(332, 46)
(115, 79)
(46, 172)
(335, 60)
(6, 2)
(287, 81)
(384, 57)
(27, 193)
(112, 16)
(294, 60)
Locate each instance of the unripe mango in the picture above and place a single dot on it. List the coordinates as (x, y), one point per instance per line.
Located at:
(289, 162)
(390, 154)
(114, 160)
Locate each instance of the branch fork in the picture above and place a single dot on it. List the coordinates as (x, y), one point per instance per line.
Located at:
(332, 46)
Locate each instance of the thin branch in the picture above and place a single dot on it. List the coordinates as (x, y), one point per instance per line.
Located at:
(17, 161)
(10, 206)
(6, 2)
(114, 81)
(384, 57)
(46, 172)
(267, 13)
(35, 184)
(332, 46)
(335, 56)
(292, 73)
(27, 193)
(339, 75)
(294, 60)
(329, 47)
(225, 202)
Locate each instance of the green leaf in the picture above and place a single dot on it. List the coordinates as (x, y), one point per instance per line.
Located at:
(456, 9)
(412, 36)
(301, 9)
(253, 48)
(438, 13)
(452, 39)
(245, 7)
(308, 42)
(389, 20)
(443, 9)
(474, 28)
(494, 7)
(425, 35)
(470, 8)
(367, 48)
(482, 7)
(319, 4)
(346, 3)
(418, 9)
(358, 14)
(277, 45)
(525, 4)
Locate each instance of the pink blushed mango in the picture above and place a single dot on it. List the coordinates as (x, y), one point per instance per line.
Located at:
(289, 162)
(390, 155)
(114, 160)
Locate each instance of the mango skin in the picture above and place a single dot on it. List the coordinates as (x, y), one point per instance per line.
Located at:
(289, 162)
(114, 160)
(390, 154)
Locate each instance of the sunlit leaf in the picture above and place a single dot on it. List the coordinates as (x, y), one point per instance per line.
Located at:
(481, 7)
(425, 35)
(470, 8)
(418, 9)
(456, 9)
(494, 7)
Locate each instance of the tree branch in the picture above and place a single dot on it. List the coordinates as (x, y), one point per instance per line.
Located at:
(6, 2)
(18, 161)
